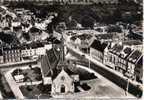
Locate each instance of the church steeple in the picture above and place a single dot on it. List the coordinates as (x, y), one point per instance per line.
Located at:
(62, 50)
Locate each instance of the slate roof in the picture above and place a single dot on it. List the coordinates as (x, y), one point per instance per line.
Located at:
(49, 61)
(135, 56)
(116, 49)
(126, 52)
(98, 45)
(140, 62)
(50, 64)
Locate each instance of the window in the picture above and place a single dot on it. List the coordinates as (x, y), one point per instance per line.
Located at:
(63, 78)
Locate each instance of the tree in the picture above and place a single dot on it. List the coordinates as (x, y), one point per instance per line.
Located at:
(87, 22)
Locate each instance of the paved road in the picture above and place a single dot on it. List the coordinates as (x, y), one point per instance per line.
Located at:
(13, 85)
(15, 64)
(100, 88)
(134, 87)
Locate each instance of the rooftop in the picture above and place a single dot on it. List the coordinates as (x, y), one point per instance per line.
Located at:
(132, 42)
(126, 52)
(135, 56)
(99, 45)
(49, 61)
(117, 48)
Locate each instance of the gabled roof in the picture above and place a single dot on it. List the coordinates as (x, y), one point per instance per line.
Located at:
(116, 49)
(134, 56)
(126, 52)
(64, 73)
(98, 45)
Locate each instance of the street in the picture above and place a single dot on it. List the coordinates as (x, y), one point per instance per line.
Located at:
(109, 75)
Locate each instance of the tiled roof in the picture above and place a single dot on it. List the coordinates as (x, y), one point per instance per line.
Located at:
(98, 45)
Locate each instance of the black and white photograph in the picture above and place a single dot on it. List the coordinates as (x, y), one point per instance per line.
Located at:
(71, 49)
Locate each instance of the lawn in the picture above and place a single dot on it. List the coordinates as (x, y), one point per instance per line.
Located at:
(31, 92)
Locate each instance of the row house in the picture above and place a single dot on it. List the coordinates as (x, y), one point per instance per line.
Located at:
(13, 55)
(133, 63)
(124, 59)
(110, 55)
(122, 62)
(26, 53)
(33, 52)
(97, 50)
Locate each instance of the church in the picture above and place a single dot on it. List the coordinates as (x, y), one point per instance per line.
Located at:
(56, 71)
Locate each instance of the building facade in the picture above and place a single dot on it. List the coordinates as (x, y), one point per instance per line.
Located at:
(12, 55)
(62, 84)
(97, 49)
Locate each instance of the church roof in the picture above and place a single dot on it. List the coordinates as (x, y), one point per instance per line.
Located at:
(52, 65)
(49, 61)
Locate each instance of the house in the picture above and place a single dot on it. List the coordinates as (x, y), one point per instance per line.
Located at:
(15, 23)
(122, 62)
(12, 55)
(82, 41)
(34, 33)
(111, 55)
(97, 50)
(36, 49)
(133, 60)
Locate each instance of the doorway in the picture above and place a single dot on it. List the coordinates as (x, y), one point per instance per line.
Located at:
(62, 89)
